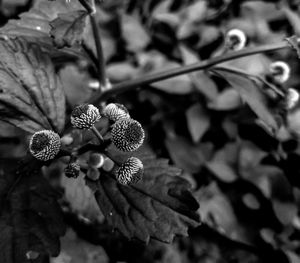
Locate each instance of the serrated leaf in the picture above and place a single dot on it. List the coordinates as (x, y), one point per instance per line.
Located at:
(31, 94)
(160, 206)
(251, 93)
(67, 28)
(31, 221)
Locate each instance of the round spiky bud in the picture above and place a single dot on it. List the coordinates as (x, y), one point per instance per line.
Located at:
(280, 71)
(235, 39)
(72, 170)
(130, 172)
(85, 116)
(127, 135)
(292, 98)
(44, 145)
(115, 112)
(96, 160)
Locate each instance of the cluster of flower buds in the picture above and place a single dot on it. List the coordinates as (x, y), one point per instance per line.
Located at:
(235, 39)
(44, 145)
(130, 172)
(280, 71)
(85, 116)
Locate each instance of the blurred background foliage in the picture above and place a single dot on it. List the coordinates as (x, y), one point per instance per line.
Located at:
(246, 181)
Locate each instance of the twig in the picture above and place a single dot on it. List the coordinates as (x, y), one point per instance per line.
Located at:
(91, 9)
(97, 134)
(155, 77)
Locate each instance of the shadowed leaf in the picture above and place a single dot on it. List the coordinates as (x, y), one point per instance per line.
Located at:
(160, 206)
(67, 28)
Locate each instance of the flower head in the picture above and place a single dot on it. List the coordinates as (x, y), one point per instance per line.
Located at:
(44, 145)
(235, 39)
(281, 71)
(85, 116)
(130, 172)
(127, 135)
(72, 170)
(115, 112)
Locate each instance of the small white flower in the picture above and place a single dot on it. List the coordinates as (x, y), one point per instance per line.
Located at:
(292, 98)
(280, 70)
(235, 39)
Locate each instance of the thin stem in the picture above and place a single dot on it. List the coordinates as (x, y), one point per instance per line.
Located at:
(97, 134)
(155, 77)
(91, 9)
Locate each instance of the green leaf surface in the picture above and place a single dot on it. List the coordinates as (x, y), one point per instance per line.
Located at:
(30, 218)
(31, 95)
(67, 28)
(160, 206)
(251, 93)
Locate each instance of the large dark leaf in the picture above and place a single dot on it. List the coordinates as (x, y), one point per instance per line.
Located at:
(31, 95)
(160, 206)
(251, 93)
(30, 219)
(67, 28)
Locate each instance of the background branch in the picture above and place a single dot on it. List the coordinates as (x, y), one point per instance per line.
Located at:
(155, 77)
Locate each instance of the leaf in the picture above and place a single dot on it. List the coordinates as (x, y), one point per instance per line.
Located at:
(251, 94)
(228, 99)
(67, 28)
(31, 221)
(184, 154)
(198, 122)
(34, 27)
(134, 33)
(222, 170)
(31, 96)
(160, 206)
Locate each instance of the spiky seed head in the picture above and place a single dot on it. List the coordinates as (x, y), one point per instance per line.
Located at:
(115, 112)
(96, 160)
(127, 135)
(130, 172)
(235, 39)
(44, 145)
(280, 70)
(93, 174)
(292, 98)
(72, 170)
(85, 116)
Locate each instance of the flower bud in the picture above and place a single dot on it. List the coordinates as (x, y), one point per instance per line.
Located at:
(280, 71)
(44, 145)
(96, 160)
(85, 116)
(127, 135)
(93, 174)
(130, 172)
(235, 39)
(292, 98)
(108, 165)
(115, 112)
(72, 170)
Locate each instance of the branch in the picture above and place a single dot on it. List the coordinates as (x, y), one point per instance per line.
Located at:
(91, 9)
(155, 77)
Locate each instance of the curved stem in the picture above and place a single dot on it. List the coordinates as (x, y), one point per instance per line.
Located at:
(155, 77)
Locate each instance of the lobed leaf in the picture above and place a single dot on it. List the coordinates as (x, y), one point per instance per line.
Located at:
(31, 95)
(160, 206)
